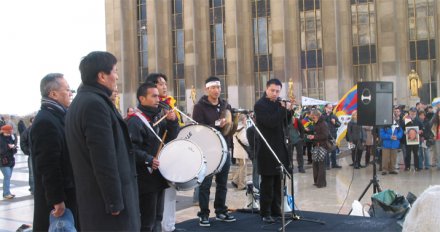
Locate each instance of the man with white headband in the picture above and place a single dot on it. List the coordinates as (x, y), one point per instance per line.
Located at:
(207, 111)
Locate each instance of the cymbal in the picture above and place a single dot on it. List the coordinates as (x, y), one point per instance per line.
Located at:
(227, 115)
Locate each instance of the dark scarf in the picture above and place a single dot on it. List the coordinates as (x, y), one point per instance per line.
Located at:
(151, 112)
(52, 104)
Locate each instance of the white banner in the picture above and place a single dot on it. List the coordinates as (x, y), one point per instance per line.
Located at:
(308, 101)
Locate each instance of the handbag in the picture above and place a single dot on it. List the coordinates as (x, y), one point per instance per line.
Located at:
(5, 160)
(246, 148)
(331, 144)
(318, 153)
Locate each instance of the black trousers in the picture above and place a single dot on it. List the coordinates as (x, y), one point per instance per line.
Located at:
(356, 156)
(308, 150)
(319, 174)
(415, 150)
(221, 189)
(369, 153)
(151, 208)
(299, 153)
(270, 196)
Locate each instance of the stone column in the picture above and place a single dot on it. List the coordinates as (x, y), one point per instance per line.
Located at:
(160, 42)
(292, 57)
(437, 49)
(197, 47)
(277, 15)
(344, 44)
(392, 46)
(329, 46)
(239, 48)
(122, 42)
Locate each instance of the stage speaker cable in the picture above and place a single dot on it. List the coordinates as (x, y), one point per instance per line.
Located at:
(348, 190)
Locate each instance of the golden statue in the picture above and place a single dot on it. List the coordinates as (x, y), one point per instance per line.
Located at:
(193, 94)
(414, 83)
(291, 96)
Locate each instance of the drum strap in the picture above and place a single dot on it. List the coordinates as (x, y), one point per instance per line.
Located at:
(144, 120)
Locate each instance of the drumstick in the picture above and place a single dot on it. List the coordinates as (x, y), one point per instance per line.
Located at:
(158, 150)
(160, 120)
(161, 144)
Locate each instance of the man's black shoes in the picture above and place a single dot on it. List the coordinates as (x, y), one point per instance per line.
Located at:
(268, 220)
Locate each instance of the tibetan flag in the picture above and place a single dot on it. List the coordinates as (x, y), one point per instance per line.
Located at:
(343, 110)
(306, 122)
(347, 104)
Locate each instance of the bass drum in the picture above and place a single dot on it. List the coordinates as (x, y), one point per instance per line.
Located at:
(182, 164)
(212, 144)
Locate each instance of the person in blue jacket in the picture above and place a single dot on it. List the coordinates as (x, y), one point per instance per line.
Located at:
(390, 137)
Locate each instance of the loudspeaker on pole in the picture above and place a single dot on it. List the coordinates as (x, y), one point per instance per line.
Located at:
(375, 103)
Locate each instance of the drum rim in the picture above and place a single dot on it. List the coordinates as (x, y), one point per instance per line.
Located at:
(224, 147)
(203, 160)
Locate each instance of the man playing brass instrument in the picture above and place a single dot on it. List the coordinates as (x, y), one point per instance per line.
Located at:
(207, 111)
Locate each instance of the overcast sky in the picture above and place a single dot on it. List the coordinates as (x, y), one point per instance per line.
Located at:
(40, 37)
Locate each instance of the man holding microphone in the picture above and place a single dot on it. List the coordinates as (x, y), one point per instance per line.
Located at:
(272, 116)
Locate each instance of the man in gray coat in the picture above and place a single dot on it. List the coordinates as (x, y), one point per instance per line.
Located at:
(99, 146)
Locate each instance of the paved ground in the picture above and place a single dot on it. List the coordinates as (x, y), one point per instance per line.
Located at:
(343, 186)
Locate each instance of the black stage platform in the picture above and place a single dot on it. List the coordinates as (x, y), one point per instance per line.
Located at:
(334, 222)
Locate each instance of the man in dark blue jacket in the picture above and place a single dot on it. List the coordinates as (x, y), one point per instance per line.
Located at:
(145, 148)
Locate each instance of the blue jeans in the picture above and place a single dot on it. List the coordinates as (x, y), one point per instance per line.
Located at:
(331, 158)
(221, 180)
(7, 174)
(437, 152)
(424, 157)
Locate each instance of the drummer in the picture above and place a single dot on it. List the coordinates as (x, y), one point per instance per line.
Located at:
(208, 111)
(145, 137)
(169, 208)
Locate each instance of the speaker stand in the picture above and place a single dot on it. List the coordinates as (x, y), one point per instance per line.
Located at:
(374, 181)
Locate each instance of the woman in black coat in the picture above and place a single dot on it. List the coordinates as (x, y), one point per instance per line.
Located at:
(7, 161)
(99, 147)
(320, 139)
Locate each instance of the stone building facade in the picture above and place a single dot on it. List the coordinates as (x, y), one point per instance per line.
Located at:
(323, 46)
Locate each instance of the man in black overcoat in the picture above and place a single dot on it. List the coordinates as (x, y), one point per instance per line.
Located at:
(99, 147)
(54, 183)
(272, 117)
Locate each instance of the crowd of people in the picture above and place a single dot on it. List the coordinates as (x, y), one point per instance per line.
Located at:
(85, 157)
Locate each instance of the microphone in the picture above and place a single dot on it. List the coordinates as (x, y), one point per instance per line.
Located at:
(282, 100)
(241, 111)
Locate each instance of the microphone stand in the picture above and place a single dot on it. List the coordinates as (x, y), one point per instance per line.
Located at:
(293, 216)
(283, 174)
(283, 170)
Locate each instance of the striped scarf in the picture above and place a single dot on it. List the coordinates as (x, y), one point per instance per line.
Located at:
(52, 104)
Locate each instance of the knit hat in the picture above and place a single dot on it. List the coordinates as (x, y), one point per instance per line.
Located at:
(6, 128)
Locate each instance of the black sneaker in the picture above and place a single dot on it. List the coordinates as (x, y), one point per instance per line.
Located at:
(204, 221)
(225, 217)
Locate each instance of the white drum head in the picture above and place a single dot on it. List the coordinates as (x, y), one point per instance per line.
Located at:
(210, 141)
(180, 161)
